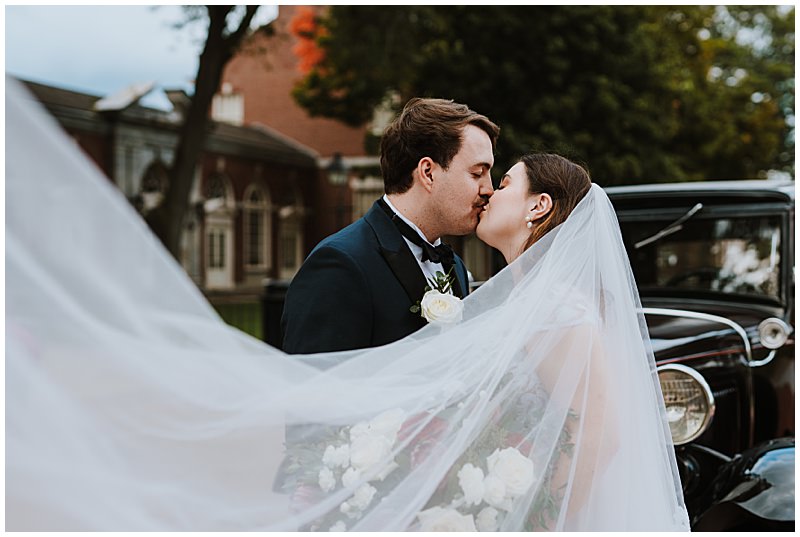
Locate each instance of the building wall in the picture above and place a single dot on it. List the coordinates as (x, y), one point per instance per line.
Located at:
(125, 150)
(258, 81)
(289, 191)
(135, 148)
(98, 149)
(265, 73)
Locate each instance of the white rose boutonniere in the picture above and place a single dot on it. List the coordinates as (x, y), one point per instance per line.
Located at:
(438, 308)
(438, 304)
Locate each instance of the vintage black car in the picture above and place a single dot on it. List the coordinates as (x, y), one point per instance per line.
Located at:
(714, 263)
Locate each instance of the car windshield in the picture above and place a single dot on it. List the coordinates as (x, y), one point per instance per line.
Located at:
(729, 255)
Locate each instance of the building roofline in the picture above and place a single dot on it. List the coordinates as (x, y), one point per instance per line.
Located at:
(269, 131)
(260, 137)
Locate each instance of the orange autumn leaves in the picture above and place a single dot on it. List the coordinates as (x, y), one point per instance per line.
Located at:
(305, 26)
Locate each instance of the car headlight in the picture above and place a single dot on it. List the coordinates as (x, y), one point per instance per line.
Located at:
(689, 402)
(773, 333)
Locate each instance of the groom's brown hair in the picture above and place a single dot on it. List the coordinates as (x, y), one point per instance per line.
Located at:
(426, 128)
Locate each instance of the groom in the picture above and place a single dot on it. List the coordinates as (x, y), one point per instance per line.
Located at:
(357, 287)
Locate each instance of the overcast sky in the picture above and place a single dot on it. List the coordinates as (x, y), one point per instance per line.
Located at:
(103, 49)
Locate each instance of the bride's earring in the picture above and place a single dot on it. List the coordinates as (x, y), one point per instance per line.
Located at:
(529, 220)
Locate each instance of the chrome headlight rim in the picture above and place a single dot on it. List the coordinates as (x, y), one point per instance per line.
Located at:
(705, 388)
(773, 323)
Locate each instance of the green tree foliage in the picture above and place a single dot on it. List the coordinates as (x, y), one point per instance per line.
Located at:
(755, 80)
(639, 93)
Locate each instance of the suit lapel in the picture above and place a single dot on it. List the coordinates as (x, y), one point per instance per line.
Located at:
(397, 254)
(458, 285)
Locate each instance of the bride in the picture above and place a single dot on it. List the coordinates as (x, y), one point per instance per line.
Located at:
(131, 406)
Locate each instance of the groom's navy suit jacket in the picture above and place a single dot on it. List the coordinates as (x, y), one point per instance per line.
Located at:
(356, 288)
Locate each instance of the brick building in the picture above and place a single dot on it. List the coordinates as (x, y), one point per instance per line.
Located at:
(256, 90)
(249, 216)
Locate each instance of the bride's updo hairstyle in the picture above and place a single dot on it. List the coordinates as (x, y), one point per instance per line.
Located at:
(566, 183)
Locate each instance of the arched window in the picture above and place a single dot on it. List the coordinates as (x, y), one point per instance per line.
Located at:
(290, 233)
(155, 177)
(219, 210)
(255, 211)
(154, 185)
(217, 189)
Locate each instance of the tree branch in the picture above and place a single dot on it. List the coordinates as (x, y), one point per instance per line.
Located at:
(233, 40)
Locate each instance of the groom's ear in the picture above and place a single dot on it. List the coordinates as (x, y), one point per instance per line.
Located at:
(424, 173)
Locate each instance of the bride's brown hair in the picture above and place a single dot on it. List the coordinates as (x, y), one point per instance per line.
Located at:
(565, 181)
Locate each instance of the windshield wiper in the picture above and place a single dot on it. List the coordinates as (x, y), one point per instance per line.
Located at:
(674, 227)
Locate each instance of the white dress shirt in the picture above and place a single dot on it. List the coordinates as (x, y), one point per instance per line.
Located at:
(429, 268)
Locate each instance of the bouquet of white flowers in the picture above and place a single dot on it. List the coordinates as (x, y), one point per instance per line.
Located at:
(483, 485)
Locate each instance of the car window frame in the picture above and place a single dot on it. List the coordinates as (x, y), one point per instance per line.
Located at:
(785, 211)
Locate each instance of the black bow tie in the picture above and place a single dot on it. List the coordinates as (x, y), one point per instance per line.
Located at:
(435, 254)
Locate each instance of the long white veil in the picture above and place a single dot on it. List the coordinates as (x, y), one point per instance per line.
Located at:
(131, 406)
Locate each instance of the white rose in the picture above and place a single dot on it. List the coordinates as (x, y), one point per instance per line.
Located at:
(351, 478)
(445, 519)
(368, 451)
(327, 481)
(438, 308)
(349, 510)
(334, 457)
(388, 424)
(514, 468)
(363, 496)
(358, 430)
(339, 526)
(471, 480)
(494, 493)
(487, 519)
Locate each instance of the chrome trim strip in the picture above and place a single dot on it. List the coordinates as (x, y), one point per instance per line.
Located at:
(695, 356)
(765, 361)
(713, 318)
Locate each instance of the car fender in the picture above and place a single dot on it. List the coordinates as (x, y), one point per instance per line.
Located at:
(755, 487)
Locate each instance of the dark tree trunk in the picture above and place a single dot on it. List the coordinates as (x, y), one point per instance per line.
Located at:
(166, 220)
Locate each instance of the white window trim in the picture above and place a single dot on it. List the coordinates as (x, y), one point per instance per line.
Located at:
(248, 208)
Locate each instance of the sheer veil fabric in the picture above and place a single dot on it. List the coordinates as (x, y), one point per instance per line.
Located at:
(131, 406)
